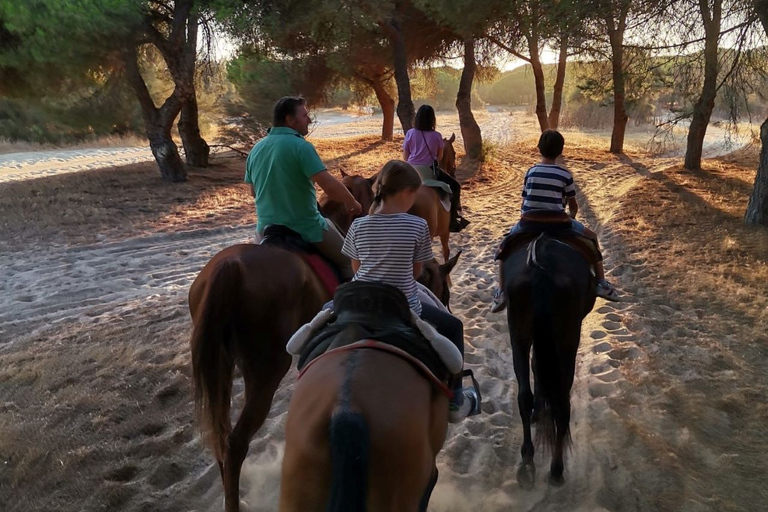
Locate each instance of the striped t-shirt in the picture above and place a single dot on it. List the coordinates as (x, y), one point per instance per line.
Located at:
(387, 245)
(546, 187)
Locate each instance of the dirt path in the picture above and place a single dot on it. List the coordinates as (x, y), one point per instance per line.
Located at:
(95, 403)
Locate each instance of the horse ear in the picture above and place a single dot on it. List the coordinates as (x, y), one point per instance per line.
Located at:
(445, 268)
(453, 138)
(343, 174)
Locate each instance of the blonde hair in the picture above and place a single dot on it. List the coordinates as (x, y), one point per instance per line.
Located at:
(393, 178)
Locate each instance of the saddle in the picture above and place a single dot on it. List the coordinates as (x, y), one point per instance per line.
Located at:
(556, 225)
(374, 311)
(284, 237)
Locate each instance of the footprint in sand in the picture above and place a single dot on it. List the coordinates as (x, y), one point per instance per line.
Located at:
(167, 474)
(613, 317)
(605, 309)
(602, 347)
(604, 367)
(625, 353)
(598, 389)
(611, 376)
(597, 335)
(122, 474)
(611, 326)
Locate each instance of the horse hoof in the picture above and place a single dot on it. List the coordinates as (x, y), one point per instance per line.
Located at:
(556, 480)
(526, 475)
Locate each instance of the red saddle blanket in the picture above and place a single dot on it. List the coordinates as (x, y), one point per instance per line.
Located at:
(324, 271)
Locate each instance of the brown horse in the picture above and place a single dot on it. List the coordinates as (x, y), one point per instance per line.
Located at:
(427, 206)
(448, 161)
(364, 428)
(245, 304)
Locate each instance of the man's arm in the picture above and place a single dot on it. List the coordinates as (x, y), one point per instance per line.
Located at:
(406, 154)
(418, 266)
(337, 191)
(253, 190)
(573, 207)
(355, 265)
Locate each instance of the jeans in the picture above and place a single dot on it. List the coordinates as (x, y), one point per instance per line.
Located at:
(330, 247)
(575, 225)
(446, 324)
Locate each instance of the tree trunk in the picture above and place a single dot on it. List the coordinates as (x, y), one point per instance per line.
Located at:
(538, 77)
(702, 110)
(196, 150)
(405, 110)
(620, 118)
(757, 209)
(557, 96)
(387, 108)
(470, 131)
(157, 122)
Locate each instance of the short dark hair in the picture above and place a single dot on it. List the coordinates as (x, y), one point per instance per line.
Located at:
(551, 144)
(286, 106)
(425, 119)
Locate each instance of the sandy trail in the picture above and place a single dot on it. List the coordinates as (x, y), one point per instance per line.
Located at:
(94, 346)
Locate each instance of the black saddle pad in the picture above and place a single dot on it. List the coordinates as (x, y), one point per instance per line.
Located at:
(285, 237)
(373, 311)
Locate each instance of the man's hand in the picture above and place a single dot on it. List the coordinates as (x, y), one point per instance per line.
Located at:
(354, 208)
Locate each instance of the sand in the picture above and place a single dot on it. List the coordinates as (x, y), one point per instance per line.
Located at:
(668, 402)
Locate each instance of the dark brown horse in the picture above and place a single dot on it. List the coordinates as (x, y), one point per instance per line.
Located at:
(245, 304)
(550, 289)
(364, 428)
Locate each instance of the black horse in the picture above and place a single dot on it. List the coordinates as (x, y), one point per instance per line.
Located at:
(551, 288)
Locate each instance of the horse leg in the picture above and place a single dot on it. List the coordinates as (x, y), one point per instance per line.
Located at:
(428, 493)
(561, 412)
(444, 243)
(258, 401)
(520, 356)
(537, 398)
(562, 419)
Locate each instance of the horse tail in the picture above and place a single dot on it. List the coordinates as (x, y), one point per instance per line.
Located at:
(212, 356)
(548, 360)
(350, 453)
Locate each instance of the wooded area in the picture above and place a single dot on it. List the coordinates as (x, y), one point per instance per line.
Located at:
(70, 71)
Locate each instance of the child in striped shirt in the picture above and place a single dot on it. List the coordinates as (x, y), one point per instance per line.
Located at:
(548, 186)
(391, 246)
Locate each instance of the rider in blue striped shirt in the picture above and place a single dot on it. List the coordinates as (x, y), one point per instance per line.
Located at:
(548, 186)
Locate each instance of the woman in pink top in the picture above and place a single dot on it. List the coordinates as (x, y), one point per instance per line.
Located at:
(424, 145)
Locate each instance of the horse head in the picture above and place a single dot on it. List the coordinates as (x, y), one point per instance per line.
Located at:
(448, 162)
(437, 278)
(360, 188)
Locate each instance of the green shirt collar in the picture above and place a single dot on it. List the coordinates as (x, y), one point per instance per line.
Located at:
(283, 130)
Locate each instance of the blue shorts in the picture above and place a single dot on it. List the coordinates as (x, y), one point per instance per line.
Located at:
(575, 225)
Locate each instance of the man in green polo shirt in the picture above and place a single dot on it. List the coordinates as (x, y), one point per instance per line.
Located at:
(282, 169)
